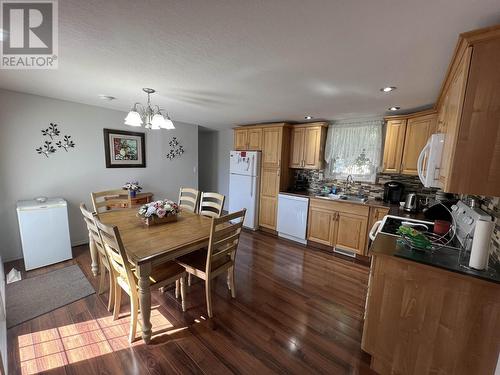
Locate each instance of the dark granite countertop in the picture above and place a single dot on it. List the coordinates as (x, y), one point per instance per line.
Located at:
(445, 258)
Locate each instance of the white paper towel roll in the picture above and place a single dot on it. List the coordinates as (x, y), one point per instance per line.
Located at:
(481, 244)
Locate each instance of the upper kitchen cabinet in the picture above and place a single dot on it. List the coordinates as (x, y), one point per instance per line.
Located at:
(393, 146)
(307, 145)
(248, 138)
(405, 138)
(418, 131)
(469, 116)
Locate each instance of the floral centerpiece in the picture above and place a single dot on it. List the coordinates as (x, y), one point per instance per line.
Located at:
(133, 188)
(158, 212)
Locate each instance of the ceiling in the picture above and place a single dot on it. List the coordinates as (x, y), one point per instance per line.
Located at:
(220, 63)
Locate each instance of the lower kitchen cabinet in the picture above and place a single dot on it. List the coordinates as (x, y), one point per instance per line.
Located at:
(338, 224)
(351, 232)
(321, 226)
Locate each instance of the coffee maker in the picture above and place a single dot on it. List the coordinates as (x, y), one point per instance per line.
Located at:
(393, 191)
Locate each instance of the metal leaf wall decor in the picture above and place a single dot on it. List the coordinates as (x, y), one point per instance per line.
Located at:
(176, 149)
(47, 148)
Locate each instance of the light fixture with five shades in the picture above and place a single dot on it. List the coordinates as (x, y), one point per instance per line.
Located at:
(151, 117)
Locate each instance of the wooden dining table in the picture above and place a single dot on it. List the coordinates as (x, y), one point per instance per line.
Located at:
(149, 246)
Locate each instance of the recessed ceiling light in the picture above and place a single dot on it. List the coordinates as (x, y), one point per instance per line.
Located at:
(395, 108)
(106, 97)
(388, 88)
(308, 117)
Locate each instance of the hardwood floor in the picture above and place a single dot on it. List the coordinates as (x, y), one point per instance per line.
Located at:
(298, 310)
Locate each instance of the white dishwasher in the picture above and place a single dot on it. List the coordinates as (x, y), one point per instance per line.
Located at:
(292, 217)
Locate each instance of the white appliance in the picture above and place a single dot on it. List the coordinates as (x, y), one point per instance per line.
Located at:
(429, 161)
(244, 182)
(44, 232)
(292, 217)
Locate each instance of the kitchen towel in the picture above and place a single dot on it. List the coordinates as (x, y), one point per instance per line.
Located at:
(481, 244)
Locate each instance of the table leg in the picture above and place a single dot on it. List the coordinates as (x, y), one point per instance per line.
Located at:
(94, 256)
(144, 271)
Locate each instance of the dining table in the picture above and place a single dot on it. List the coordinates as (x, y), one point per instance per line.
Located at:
(149, 246)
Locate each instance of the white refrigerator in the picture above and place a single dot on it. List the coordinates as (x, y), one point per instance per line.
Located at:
(244, 182)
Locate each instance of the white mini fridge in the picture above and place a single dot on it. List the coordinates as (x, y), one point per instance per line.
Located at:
(44, 232)
(244, 185)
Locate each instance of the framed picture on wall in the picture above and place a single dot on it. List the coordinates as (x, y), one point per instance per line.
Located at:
(124, 149)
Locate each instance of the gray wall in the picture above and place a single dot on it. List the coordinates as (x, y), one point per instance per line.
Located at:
(214, 147)
(73, 175)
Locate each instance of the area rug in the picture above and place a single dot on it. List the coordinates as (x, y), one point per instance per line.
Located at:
(29, 298)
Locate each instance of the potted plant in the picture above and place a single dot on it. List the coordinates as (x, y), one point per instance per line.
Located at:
(133, 188)
(158, 212)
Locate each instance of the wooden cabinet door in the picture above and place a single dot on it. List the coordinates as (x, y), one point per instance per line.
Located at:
(312, 148)
(297, 148)
(269, 189)
(393, 147)
(240, 139)
(418, 131)
(255, 139)
(376, 214)
(271, 147)
(452, 116)
(351, 232)
(321, 226)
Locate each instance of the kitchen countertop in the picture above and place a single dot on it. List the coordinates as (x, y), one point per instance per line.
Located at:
(445, 258)
(394, 209)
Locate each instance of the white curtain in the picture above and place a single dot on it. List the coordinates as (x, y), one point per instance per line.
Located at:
(353, 147)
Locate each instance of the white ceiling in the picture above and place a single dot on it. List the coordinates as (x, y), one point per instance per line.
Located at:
(220, 63)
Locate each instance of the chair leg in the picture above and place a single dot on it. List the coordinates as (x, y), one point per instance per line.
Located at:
(183, 293)
(231, 280)
(228, 279)
(208, 293)
(112, 287)
(134, 310)
(118, 301)
(177, 289)
(102, 276)
(189, 279)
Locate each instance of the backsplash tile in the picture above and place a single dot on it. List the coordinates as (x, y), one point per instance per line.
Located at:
(491, 205)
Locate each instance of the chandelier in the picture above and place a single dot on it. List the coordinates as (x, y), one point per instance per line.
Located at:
(151, 117)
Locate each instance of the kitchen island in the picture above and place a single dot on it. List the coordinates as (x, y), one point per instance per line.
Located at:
(429, 318)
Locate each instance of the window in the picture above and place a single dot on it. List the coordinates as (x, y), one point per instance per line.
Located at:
(353, 147)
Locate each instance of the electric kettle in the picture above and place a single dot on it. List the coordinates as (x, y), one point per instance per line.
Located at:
(410, 202)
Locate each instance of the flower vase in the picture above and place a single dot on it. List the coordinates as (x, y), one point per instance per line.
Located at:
(155, 220)
(132, 193)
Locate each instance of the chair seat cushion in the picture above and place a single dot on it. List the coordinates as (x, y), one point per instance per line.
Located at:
(198, 260)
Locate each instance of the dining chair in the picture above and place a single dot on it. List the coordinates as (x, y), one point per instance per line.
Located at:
(109, 198)
(211, 204)
(95, 240)
(126, 279)
(188, 199)
(219, 258)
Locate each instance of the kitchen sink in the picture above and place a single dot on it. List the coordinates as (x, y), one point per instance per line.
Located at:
(344, 197)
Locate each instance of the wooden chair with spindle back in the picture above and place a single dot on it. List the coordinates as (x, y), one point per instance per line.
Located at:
(188, 199)
(220, 257)
(96, 242)
(211, 204)
(109, 198)
(126, 279)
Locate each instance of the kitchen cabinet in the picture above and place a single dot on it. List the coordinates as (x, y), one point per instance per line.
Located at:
(418, 131)
(274, 142)
(339, 224)
(425, 320)
(393, 146)
(376, 214)
(469, 114)
(248, 139)
(307, 145)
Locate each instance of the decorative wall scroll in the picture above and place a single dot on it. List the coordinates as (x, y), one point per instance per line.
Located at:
(176, 149)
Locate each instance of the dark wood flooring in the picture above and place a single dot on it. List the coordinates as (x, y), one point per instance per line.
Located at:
(298, 310)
